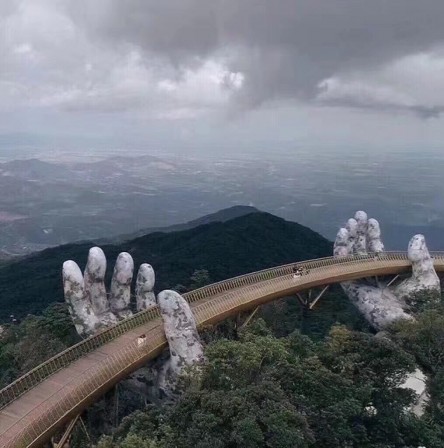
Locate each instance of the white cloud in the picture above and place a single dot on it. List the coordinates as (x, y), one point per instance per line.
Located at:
(49, 62)
(414, 82)
(133, 84)
(208, 85)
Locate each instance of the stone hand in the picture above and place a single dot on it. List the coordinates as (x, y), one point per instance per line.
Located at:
(91, 307)
(381, 305)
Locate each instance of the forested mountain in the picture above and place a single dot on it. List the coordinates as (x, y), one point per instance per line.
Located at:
(292, 378)
(225, 249)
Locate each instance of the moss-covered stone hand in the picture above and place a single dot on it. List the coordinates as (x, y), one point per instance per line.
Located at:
(380, 304)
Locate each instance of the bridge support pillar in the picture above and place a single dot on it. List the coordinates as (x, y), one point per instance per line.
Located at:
(393, 280)
(248, 319)
(308, 302)
(315, 301)
(64, 441)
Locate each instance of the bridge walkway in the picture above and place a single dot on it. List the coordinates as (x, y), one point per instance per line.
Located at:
(38, 403)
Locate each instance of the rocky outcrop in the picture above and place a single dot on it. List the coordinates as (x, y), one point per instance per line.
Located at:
(417, 382)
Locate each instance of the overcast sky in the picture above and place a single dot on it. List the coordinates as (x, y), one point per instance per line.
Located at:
(215, 74)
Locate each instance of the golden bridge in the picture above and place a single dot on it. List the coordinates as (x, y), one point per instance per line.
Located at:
(35, 406)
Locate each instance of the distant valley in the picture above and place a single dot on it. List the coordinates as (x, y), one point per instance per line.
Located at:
(46, 203)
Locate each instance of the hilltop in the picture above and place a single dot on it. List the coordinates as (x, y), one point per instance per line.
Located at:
(247, 243)
(220, 216)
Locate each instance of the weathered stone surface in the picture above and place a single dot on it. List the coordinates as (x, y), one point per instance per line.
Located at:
(80, 309)
(381, 305)
(341, 246)
(94, 277)
(374, 243)
(183, 339)
(144, 287)
(361, 233)
(121, 285)
(417, 382)
(90, 306)
(352, 229)
(424, 279)
(92, 309)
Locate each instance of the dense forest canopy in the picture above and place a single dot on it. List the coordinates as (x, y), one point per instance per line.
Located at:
(257, 390)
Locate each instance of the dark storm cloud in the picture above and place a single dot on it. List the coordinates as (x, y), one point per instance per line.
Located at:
(284, 47)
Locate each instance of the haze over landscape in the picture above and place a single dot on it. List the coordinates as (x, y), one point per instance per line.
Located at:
(308, 122)
(71, 198)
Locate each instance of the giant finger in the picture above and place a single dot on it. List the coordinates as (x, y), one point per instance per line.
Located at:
(94, 279)
(79, 306)
(341, 246)
(121, 285)
(361, 233)
(352, 229)
(374, 242)
(145, 297)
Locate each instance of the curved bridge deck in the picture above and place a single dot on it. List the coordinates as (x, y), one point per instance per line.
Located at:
(47, 397)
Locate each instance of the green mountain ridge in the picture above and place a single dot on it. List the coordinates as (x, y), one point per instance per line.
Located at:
(244, 244)
(220, 216)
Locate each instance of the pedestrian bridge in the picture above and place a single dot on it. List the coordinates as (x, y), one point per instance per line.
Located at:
(33, 407)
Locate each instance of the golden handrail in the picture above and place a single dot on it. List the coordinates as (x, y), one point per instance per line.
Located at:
(71, 354)
(224, 299)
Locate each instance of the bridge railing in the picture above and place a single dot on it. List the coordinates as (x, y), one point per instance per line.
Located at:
(54, 407)
(71, 354)
(267, 274)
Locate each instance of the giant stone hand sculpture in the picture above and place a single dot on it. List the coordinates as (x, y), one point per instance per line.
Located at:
(90, 306)
(379, 304)
(382, 305)
(92, 309)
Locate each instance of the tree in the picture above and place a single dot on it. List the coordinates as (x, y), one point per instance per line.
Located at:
(200, 278)
(424, 338)
(262, 391)
(34, 340)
